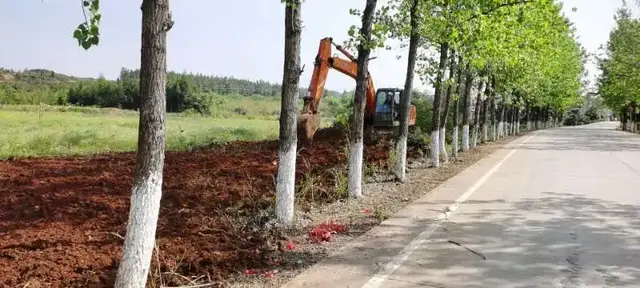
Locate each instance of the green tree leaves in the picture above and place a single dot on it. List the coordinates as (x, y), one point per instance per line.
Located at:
(88, 32)
(619, 83)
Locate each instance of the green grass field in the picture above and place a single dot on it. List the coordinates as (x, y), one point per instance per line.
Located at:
(46, 130)
(30, 130)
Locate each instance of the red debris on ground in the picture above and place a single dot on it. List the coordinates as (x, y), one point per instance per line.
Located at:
(322, 232)
(270, 274)
(62, 219)
(249, 272)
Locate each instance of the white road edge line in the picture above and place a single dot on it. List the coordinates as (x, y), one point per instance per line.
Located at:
(379, 278)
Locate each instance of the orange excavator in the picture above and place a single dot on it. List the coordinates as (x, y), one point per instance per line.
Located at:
(382, 110)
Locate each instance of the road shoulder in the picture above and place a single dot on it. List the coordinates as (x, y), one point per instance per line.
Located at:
(382, 249)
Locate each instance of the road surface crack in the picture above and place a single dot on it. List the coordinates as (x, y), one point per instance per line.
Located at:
(468, 249)
(627, 164)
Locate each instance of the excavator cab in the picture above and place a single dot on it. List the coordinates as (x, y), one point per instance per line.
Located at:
(387, 112)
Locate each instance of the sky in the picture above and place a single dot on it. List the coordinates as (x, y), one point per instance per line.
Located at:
(239, 38)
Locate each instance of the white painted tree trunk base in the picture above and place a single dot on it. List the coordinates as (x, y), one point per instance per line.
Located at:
(355, 169)
(485, 133)
(401, 159)
(504, 130)
(443, 145)
(285, 185)
(141, 232)
(474, 137)
(435, 148)
(454, 142)
(465, 137)
(494, 133)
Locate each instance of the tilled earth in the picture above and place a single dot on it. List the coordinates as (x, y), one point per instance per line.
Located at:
(62, 219)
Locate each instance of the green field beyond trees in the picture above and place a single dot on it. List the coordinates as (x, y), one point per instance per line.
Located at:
(44, 113)
(51, 130)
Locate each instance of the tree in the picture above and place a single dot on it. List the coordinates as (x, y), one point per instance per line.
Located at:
(437, 105)
(147, 185)
(445, 113)
(456, 111)
(475, 128)
(466, 108)
(401, 142)
(356, 145)
(619, 83)
(287, 145)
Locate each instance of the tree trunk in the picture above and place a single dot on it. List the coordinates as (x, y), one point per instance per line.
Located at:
(445, 113)
(483, 123)
(455, 137)
(635, 117)
(437, 104)
(401, 144)
(512, 120)
(476, 116)
(456, 112)
(287, 145)
(356, 141)
(467, 108)
(528, 117)
(507, 125)
(147, 185)
(494, 121)
(509, 121)
(485, 112)
(632, 117)
(518, 121)
(501, 120)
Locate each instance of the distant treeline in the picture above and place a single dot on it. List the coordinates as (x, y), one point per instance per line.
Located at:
(184, 90)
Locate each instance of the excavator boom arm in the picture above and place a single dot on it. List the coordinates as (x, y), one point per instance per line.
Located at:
(349, 67)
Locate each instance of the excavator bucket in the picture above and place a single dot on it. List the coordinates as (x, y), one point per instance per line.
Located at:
(308, 124)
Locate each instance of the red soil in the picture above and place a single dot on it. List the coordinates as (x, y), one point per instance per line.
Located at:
(60, 217)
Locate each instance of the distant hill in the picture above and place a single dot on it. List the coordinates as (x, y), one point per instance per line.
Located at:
(36, 76)
(202, 83)
(35, 86)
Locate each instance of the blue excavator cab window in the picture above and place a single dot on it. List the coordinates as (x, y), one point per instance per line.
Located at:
(384, 101)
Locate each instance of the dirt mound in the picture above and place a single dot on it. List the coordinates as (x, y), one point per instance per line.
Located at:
(61, 219)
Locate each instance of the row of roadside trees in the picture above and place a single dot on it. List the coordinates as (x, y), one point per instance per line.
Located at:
(502, 60)
(509, 59)
(619, 83)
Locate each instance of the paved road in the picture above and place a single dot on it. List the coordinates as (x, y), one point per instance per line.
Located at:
(557, 208)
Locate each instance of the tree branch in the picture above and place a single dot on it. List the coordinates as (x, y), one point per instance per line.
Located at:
(491, 10)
